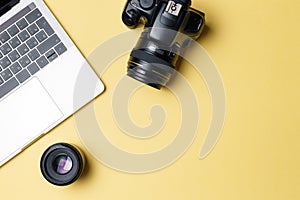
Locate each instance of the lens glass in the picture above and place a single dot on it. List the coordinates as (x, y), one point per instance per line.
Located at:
(62, 164)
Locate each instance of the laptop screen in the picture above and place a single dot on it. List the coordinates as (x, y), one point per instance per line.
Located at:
(6, 5)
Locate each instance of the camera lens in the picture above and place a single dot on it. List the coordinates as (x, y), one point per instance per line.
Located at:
(149, 69)
(62, 164)
(152, 64)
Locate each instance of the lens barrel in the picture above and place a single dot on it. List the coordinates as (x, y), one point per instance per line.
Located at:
(149, 69)
(62, 164)
(151, 63)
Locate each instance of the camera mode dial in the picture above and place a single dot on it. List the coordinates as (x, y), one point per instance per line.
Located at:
(147, 4)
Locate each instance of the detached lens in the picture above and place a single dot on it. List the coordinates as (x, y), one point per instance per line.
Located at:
(62, 164)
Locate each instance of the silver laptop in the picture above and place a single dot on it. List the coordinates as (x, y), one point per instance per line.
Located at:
(39, 69)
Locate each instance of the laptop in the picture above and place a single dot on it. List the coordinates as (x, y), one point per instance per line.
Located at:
(39, 70)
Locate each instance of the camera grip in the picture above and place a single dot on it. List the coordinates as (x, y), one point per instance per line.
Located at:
(194, 23)
(131, 18)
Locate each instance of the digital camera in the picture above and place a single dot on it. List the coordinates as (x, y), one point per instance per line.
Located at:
(157, 53)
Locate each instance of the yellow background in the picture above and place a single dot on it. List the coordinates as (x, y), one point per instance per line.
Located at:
(255, 44)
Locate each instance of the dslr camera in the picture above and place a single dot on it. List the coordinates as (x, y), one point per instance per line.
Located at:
(156, 55)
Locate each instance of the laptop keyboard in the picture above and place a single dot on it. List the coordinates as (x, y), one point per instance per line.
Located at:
(27, 45)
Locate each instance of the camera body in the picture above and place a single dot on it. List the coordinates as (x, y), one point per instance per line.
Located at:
(156, 55)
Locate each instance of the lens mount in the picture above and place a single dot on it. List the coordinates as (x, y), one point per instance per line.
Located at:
(62, 164)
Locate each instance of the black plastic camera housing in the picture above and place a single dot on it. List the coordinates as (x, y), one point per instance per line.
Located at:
(156, 54)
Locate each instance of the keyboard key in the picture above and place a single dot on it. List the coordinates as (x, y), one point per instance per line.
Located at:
(23, 76)
(43, 24)
(41, 36)
(33, 55)
(51, 55)
(15, 68)
(14, 55)
(4, 37)
(8, 87)
(34, 15)
(6, 74)
(5, 49)
(13, 30)
(33, 68)
(14, 18)
(4, 62)
(15, 42)
(32, 29)
(42, 62)
(1, 81)
(22, 24)
(32, 42)
(24, 35)
(48, 44)
(23, 49)
(60, 48)
(24, 61)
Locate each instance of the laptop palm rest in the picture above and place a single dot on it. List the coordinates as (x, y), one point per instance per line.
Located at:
(31, 111)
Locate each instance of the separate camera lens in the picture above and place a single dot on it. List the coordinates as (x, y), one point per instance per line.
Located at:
(62, 164)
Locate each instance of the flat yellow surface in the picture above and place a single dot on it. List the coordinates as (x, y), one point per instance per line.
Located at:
(255, 45)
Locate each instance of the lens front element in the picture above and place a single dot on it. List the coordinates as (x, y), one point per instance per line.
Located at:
(62, 164)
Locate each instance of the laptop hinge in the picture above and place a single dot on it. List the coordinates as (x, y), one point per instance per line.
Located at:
(6, 5)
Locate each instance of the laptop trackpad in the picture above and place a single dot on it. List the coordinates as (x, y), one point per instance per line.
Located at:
(25, 115)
